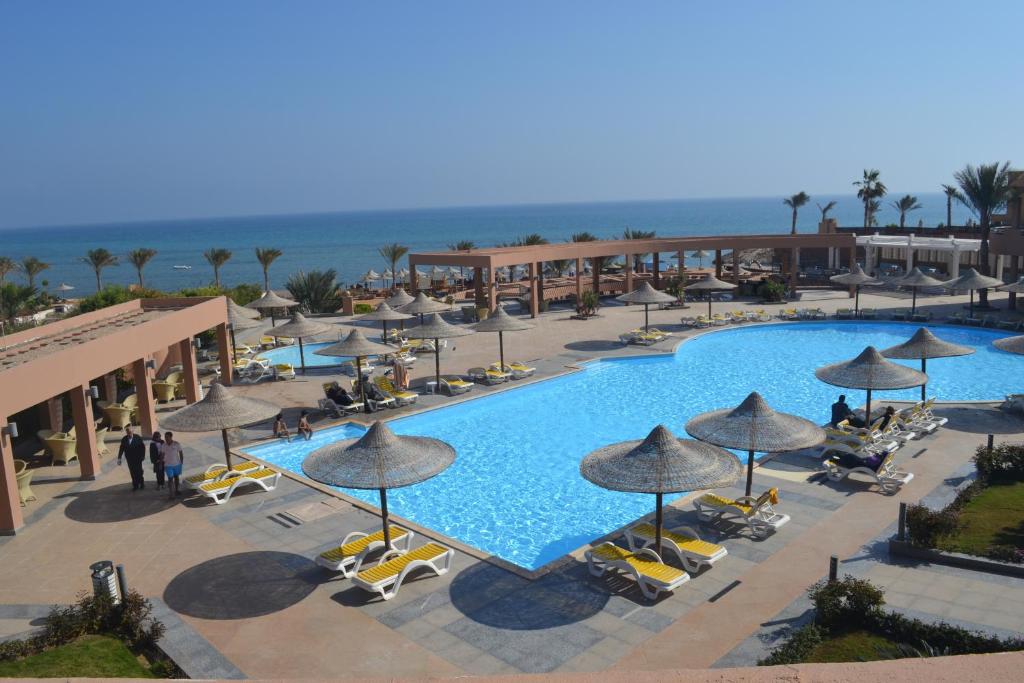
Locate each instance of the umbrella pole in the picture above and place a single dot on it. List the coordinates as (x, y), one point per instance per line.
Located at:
(867, 415)
(913, 306)
(385, 337)
(437, 367)
(384, 518)
(646, 319)
(234, 344)
(924, 386)
(227, 450)
(970, 306)
(856, 303)
(750, 471)
(709, 305)
(302, 357)
(501, 349)
(359, 380)
(657, 525)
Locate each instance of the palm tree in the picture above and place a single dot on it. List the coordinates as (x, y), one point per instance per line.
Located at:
(795, 202)
(393, 253)
(985, 189)
(596, 262)
(266, 256)
(874, 206)
(870, 189)
(825, 210)
(32, 266)
(559, 266)
(905, 205)
(7, 266)
(630, 234)
(99, 259)
(217, 258)
(139, 259)
(13, 300)
(316, 291)
(952, 192)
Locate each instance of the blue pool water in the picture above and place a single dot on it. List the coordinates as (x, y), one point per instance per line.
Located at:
(515, 489)
(290, 354)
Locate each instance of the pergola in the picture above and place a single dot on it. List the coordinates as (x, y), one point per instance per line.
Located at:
(486, 262)
(38, 366)
(909, 245)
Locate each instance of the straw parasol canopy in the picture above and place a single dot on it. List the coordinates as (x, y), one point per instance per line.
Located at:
(646, 295)
(399, 298)
(357, 345)
(501, 322)
(914, 279)
(660, 464)
(972, 280)
(380, 460)
(924, 345)
(422, 305)
(709, 283)
(1011, 344)
(271, 302)
(1017, 287)
(700, 255)
(855, 278)
(297, 328)
(752, 426)
(870, 371)
(219, 409)
(437, 328)
(384, 313)
(370, 276)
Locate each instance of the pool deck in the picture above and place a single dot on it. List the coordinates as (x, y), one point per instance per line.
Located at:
(238, 587)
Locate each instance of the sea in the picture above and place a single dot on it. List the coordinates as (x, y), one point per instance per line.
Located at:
(349, 242)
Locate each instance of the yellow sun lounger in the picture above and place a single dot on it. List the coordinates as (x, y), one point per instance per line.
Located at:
(684, 542)
(757, 513)
(220, 491)
(888, 478)
(517, 369)
(387, 576)
(215, 472)
(284, 371)
(348, 557)
(455, 385)
(644, 566)
(401, 396)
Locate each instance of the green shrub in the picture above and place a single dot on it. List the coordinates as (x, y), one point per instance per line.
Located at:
(940, 637)
(770, 290)
(848, 602)
(589, 302)
(111, 295)
(796, 648)
(360, 309)
(316, 291)
(1006, 553)
(1005, 462)
(245, 293)
(927, 527)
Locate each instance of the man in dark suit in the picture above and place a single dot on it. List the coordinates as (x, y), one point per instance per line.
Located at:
(133, 449)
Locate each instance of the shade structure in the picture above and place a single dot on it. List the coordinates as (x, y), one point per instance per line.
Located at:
(924, 345)
(856, 278)
(754, 426)
(1017, 287)
(660, 464)
(271, 302)
(357, 345)
(709, 283)
(501, 322)
(915, 279)
(437, 328)
(1011, 344)
(370, 276)
(972, 280)
(383, 313)
(423, 305)
(646, 295)
(399, 298)
(700, 255)
(64, 287)
(380, 459)
(299, 327)
(870, 371)
(219, 409)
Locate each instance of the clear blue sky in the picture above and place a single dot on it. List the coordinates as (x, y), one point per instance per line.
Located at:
(138, 110)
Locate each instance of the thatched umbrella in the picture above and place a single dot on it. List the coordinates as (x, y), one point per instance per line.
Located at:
(855, 278)
(646, 295)
(700, 255)
(1017, 287)
(709, 284)
(1011, 344)
(423, 305)
(357, 345)
(870, 371)
(972, 280)
(753, 426)
(384, 313)
(239, 319)
(380, 460)
(398, 299)
(297, 328)
(915, 279)
(437, 328)
(370, 276)
(660, 464)
(501, 322)
(271, 302)
(925, 345)
(219, 409)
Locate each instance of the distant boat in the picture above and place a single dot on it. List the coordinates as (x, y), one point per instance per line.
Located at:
(183, 267)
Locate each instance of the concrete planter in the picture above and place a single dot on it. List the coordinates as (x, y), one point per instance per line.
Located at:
(973, 562)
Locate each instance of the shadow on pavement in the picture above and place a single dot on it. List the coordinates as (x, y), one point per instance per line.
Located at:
(117, 503)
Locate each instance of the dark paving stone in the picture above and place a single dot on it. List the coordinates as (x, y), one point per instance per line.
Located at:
(649, 619)
(189, 650)
(531, 651)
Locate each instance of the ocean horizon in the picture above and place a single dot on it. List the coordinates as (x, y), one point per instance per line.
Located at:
(347, 241)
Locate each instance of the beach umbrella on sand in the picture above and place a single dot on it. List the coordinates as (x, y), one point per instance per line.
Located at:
(700, 255)
(239, 319)
(870, 371)
(219, 409)
(855, 278)
(1011, 344)
(437, 328)
(380, 459)
(297, 328)
(501, 322)
(370, 276)
(972, 280)
(914, 279)
(64, 287)
(925, 345)
(753, 426)
(646, 295)
(422, 305)
(709, 284)
(271, 302)
(358, 346)
(384, 313)
(660, 464)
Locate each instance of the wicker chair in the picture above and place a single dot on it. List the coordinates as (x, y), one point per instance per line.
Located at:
(62, 447)
(23, 475)
(118, 417)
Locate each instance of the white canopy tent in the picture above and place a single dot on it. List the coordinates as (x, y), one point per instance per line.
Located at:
(908, 245)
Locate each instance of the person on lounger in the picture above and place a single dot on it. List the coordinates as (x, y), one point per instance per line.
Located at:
(850, 461)
(841, 411)
(890, 413)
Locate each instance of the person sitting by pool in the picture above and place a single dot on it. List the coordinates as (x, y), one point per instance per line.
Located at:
(841, 411)
(281, 429)
(304, 428)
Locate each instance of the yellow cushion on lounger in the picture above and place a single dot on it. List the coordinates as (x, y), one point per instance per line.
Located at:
(715, 499)
(356, 547)
(693, 545)
(217, 471)
(646, 566)
(394, 567)
(225, 483)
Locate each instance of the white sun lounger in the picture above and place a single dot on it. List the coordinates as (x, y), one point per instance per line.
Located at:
(220, 491)
(684, 542)
(889, 479)
(387, 575)
(757, 513)
(217, 472)
(348, 557)
(644, 566)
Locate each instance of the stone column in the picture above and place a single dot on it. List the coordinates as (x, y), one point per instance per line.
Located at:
(910, 252)
(954, 265)
(10, 504)
(492, 290)
(629, 272)
(189, 374)
(579, 280)
(1014, 277)
(144, 396)
(55, 413)
(794, 269)
(225, 354)
(735, 267)
(657, 269)
(718, 263)
(85, 431)
(414, 280)
(681, 270)
(1000, 266)
(534, 294)
(478, 287)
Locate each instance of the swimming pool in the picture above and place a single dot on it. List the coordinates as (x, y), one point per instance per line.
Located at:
(290, 354)
(515, 489)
